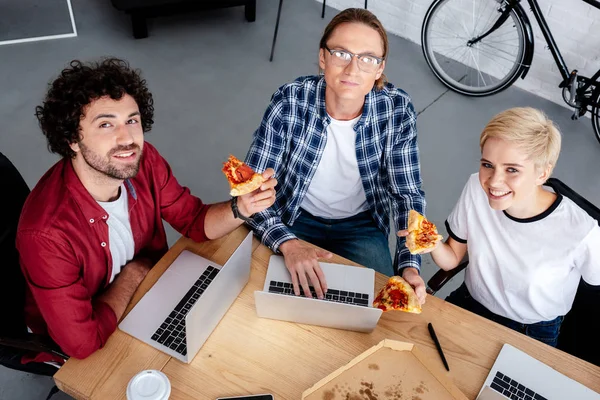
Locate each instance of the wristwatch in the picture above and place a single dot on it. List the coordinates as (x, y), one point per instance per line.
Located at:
(236, 211)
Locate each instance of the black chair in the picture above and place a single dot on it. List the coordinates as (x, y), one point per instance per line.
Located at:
(579, 330)
(279, 17)
(15, 341)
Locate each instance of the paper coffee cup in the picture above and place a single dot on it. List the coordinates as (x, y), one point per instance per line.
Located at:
(149, 385)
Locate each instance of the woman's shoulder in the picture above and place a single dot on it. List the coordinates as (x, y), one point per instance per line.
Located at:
(573, 217)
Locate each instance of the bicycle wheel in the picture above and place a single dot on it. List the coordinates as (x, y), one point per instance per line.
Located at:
(483, 68)
(596, 115)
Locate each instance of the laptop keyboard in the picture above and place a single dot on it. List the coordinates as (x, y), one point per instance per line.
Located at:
(333, 295)
(513, 389)
(171, 332)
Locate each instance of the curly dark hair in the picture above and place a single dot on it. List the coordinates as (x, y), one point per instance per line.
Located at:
(80, 84)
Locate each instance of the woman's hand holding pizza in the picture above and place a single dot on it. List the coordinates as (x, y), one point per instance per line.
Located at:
(404, 233)
(421, 235)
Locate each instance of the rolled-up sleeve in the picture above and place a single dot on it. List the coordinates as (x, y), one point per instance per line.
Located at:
(77, 322)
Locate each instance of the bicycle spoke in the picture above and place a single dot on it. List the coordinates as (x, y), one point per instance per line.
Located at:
(459, 52)
(444, 22)
(445, 36)
(490, 19)
(475, 30)
(485, 67)
(501, 41)
(491, 54)
(477, 65)
(497, 35)
(495, 66)
(458, 19)
(497, 49)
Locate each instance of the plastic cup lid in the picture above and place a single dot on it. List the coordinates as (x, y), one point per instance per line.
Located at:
(149, 385)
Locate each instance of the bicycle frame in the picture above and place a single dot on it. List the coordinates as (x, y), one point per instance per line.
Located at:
(541, 20)
(558, 58)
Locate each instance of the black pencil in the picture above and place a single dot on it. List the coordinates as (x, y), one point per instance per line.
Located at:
(437, 344)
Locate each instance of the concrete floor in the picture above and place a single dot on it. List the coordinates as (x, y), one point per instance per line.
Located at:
(212, 81)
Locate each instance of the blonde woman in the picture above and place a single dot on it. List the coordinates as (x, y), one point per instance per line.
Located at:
(528, 246)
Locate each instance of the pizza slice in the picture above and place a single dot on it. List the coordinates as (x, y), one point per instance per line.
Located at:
(422, 234)
(242, 179)
(397, 294)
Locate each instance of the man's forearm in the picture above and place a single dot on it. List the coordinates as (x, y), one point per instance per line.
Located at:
(220, 221)
(120, 292)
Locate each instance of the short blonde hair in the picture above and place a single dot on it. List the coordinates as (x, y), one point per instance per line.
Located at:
(530, 130)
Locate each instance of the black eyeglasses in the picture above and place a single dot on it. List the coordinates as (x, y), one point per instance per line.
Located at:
(366, 62)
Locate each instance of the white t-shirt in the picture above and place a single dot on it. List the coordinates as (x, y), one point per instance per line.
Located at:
(336, 189)
(120, 236)
(527, 270)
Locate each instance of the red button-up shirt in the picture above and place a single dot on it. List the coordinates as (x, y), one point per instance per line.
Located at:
(64, 248)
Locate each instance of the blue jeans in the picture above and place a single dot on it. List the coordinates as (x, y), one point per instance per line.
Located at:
(544, 331)
(356, 238)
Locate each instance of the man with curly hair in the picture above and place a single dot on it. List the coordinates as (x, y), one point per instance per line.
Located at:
(92, 227)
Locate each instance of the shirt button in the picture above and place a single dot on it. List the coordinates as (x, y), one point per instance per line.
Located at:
(103, 244)
(104, 216)
(91, 220)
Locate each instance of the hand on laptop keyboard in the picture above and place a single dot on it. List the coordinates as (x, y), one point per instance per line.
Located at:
(302, 260)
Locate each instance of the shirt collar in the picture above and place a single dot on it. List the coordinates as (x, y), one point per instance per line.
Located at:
(322, 110)
(90, 208)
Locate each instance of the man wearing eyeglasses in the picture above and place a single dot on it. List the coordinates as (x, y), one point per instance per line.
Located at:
(344, 149)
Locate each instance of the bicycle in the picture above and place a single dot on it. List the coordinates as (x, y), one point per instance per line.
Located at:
(480, 47)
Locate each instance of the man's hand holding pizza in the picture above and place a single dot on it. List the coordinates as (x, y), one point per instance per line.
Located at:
(421, 238)
(252, 192)
(261, 198)
(412, 276)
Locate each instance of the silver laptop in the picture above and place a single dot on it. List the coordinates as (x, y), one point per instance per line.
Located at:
(348, 302)
(185, 305)
(516, 375)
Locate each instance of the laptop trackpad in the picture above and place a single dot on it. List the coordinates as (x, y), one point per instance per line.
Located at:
(490, 394)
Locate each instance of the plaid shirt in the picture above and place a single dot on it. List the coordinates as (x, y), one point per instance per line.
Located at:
(291, 140)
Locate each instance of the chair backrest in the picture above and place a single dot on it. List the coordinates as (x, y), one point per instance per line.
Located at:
(587, 206)
(578, 336)
(12, 282)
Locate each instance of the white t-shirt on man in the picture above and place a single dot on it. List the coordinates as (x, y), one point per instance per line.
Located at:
(336, 190)
(120, 236)
(527, 270)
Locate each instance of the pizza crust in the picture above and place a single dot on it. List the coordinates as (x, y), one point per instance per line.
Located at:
(415, 220)
(240, 189)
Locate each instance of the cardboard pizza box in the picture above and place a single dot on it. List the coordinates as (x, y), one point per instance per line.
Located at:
(390, 370)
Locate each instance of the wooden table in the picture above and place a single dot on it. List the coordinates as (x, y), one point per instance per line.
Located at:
(249, 355)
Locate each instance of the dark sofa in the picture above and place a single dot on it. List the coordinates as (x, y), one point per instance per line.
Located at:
(140, 10)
